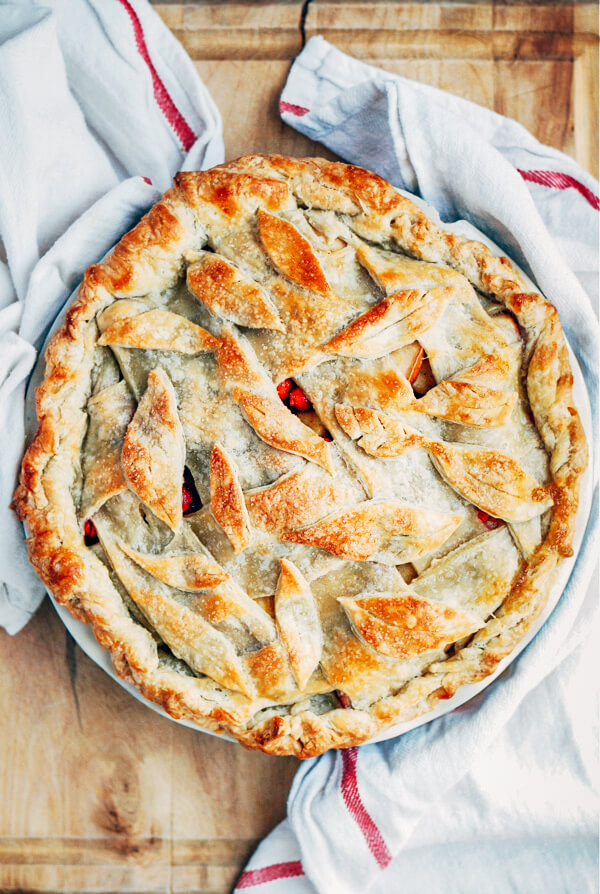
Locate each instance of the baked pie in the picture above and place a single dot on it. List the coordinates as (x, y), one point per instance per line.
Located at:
(306, 462)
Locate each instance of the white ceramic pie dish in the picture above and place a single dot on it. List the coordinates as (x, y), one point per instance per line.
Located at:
(84, 637)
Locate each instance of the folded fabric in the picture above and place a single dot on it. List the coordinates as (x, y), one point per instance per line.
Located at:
(92, 131)
(354, 814)
(524, 817)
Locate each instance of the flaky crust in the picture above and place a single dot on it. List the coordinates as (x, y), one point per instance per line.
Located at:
(147, 258)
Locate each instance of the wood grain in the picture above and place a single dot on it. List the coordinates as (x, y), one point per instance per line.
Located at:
(99, 793)
(535, 62)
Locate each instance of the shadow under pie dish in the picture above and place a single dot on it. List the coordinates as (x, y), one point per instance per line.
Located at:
(306, 462)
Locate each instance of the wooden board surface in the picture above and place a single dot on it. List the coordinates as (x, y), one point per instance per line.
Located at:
(98, 793)
(536, 63)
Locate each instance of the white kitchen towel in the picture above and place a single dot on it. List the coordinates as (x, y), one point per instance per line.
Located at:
(523, 819)
(497, 796)
(99, 107)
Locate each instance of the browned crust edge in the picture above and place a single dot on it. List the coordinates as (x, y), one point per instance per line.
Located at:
(78, 579)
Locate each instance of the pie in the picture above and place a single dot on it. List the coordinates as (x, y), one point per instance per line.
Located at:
(306, 461)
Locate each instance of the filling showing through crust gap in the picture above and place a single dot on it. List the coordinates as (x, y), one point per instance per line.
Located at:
(306, 462)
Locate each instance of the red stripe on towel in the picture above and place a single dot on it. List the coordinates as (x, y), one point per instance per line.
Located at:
(556, 180)
(353, 802)
(292, 109)
(252, 877)
(182, 129)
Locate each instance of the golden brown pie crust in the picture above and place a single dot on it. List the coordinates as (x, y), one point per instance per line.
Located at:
(242, 698)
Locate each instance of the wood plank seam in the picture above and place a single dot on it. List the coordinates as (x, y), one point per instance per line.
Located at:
(303, 18)
(274, 45)
(70, 851)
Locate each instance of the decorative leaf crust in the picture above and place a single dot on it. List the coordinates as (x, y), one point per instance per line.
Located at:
(105, 479)
(493, 482)
(376, 433)
(298, 622)
(383, 531)
(188, 631)
(277, 426)
(224, 605)
(299, 498)
(467, 403)
(227, 500)
(122, 309)
(495, 371)
(474, 333)
(396, 273)
(230, 294)
(182, 571)
(476, 575)
(110, 412)
(528, 535)
(238, 366)
(271, 672)
(153, 451)
(309, 322)
(159, 330)
(347, 661)
(481, 395)
(193, 639)
(383, 382)
(356, 669)
(396, 321)
(291, 253)
(406, 626)
(228, 604)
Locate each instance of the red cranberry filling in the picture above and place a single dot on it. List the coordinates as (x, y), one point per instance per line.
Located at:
(90, 533)
(343, 699)
(284, 388)
(186, 499)
(296, 400)
(488, 520)
(190, 498)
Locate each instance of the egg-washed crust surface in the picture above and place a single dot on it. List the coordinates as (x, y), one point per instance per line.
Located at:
(149, 259)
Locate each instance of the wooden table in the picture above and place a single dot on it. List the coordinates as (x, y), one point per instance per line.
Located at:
(99, 793)
(537, 63)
